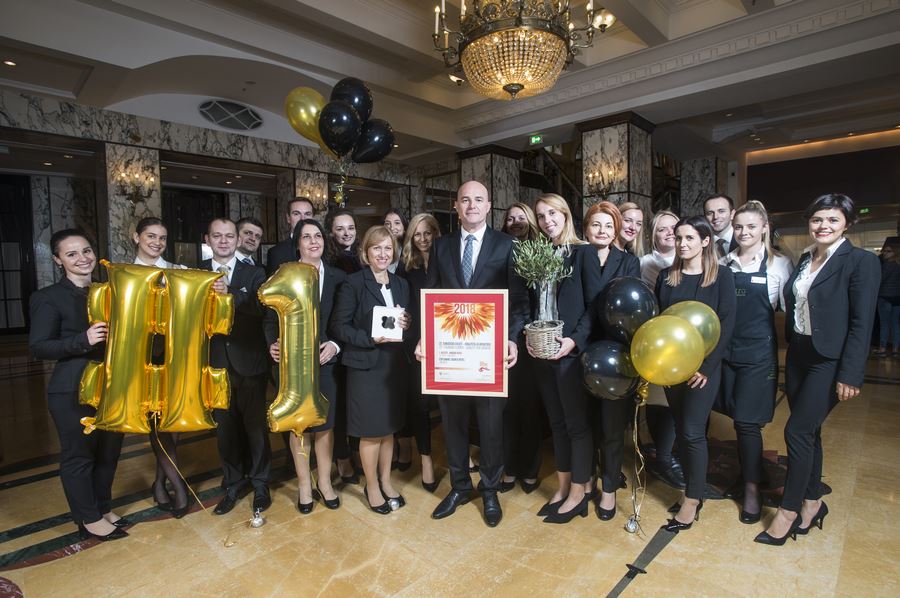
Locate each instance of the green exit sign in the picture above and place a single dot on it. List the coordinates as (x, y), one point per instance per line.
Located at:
(536, 139)
(864, 211)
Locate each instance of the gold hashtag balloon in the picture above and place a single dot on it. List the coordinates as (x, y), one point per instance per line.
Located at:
(293, 292)
(137, 303)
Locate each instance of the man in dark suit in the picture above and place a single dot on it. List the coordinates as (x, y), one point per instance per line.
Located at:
(250, 235)
(300, 208)
(719, 212)
(476, 257)
(243, 431)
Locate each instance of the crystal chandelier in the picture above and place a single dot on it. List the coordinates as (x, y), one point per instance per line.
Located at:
(512, 49)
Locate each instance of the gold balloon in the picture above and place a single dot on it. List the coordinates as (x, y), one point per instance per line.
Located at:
(302, 107)
(702, 317)
(666, 350)
(127, 387)
(293, 292)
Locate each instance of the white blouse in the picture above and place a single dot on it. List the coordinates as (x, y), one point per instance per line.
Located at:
(386, 294)
(652, 264)
(804, 280)
(777, 273)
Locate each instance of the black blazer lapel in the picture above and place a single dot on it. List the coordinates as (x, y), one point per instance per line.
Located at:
(611, 267)
(372, 286)
(835, 264)
(455, 256)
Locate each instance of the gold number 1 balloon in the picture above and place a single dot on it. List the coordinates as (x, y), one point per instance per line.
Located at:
(126, 387)
(293, 292)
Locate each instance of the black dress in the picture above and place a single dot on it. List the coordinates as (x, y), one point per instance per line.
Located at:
(376, 373)
(87, 461)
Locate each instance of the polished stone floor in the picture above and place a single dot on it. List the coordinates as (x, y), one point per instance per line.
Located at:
(352, 551)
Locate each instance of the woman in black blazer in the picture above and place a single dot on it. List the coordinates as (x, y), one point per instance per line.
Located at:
(695, 275)
(60, 332)
(602, 226)
(423, 230)
(831, 299)
(559, 377)
(310, 238)
(376, 367)
(343, 244)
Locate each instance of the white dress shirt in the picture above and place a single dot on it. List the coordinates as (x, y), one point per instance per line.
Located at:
(652, 264)
(230, 265)
(476, 244)
(777, 273)
(726, 235)
(802, 283)
(387, 295)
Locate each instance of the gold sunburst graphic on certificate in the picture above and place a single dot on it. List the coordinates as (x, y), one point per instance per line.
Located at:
(464, 320)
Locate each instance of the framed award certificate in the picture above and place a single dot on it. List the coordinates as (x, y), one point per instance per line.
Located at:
(464, 334)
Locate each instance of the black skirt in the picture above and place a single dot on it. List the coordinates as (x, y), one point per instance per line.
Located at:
(376, 398)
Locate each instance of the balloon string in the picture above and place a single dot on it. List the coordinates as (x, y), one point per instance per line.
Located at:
(639, 485)
(155, 418)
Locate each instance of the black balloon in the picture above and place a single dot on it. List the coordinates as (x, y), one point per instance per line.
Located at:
(339, 126)
(624, 305)
(607, 371)
(375, 142)
(354, 92)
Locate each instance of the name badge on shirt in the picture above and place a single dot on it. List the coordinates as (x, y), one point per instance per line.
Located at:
(758, 279)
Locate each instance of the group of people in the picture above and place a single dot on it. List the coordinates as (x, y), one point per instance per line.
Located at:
(723, 258)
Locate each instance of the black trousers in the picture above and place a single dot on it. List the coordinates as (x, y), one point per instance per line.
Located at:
(243, 433)
(456, 413)
(614, 417)
(566, 402)
(522, 421)
(418, 412)
(810, 381)
(750, 447)
(87, 462)
(690, 408)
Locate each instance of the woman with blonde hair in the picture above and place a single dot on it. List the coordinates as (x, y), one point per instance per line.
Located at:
(695, 275)
(423, 229)
(559, 377)
(631, 236)
(520, 222)
(750, 365)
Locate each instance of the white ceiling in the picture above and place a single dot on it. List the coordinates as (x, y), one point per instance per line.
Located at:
(784, 69)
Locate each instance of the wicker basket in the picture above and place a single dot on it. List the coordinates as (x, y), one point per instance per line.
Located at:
(541, 336)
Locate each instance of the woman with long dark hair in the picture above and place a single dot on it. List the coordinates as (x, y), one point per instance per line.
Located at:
(830, 299)
(423, 230)
(395, 222)
(310, 238)
(343, 245)
(60, 332)
(150, 241)
(695, 275)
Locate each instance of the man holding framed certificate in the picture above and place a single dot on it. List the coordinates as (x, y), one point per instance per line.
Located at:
(473, 257)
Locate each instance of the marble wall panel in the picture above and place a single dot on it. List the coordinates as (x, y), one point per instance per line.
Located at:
(476, 168)
(605, 155)
(313, 185)
(123, 212)
(233, 205)
(640, 161)
(701, 178)
(42, 228)
(285, 191)
(401, 200)
(529, 195)
(244, 205)
(504, 181)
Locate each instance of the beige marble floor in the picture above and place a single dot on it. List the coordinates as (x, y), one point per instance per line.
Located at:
(355, 552)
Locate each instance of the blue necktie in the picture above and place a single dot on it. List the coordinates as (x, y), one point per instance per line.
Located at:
(467, 266)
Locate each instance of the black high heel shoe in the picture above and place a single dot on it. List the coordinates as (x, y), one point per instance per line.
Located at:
(550, 507)
(430, 486)
(604, 514)
(529, 487)
(674, 508)
(750, 518)
(676, 526)
(818, 520)
(581, 509)
(163, 506)
(334, 503)
(507, 486)
(116, 534)
(179, 513)
(403, 465)
(395, 502)
(770, 540)
(382, 509)
(122, 522)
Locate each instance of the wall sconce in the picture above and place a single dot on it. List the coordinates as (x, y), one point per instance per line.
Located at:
(600, 185)
(135, 188)
(319, 200)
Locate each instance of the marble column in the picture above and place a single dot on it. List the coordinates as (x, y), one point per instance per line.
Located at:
(498, 168)
(244, 205)
(701, 178)
(616, 152)
(314, 185)
(401, 200)
(285, 191)
(129, 198)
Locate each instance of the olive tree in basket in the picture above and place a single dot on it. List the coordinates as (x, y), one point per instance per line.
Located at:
(542, 266)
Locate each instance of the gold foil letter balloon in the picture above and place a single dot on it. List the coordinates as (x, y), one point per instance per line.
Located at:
(293, 292)
(666, 350)
(702, 317)
(127, 387)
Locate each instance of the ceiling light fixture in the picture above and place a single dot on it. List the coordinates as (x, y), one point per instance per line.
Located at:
(9, 63)
(512, 49)
(729, 114)
(227, 182)
(806, 141)
(850, 134)
(68, 156)
(48, 163)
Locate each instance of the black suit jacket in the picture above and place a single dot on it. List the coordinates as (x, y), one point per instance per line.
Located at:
(59, 323)
(281, 252)
(244, 350)
(334, 278)
(576, 293)
(618, 264)
(842, 302)
(494, 269)
(720, 296)
(351, 319)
